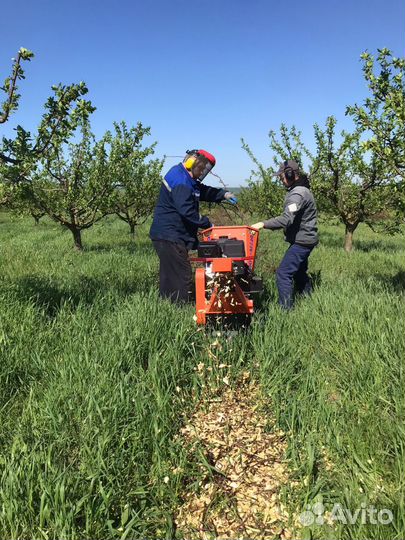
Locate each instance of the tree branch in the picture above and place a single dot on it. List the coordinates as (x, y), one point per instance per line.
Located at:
(13, 86)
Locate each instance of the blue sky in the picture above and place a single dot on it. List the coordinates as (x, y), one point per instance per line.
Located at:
(202, 74)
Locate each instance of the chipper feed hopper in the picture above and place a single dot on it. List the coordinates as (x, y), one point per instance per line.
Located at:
(225, 284)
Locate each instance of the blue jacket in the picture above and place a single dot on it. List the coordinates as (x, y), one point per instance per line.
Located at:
(177, 216)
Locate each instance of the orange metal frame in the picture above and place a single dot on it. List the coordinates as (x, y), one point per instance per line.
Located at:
(234, 302)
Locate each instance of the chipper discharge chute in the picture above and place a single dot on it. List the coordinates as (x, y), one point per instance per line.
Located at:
(226, 283)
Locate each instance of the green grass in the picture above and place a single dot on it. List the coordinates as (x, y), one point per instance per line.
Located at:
(97, 374)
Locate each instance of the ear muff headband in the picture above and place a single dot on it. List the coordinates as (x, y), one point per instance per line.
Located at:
(289, 173)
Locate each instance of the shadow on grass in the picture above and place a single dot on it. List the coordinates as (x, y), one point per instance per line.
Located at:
(270, 292)
(144, 248)
(386, 246)
(50, 296)
(394, 283)
(328, 239)
(398, 281)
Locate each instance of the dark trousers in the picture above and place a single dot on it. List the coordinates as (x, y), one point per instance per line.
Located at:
(293, 271)
(175, 275)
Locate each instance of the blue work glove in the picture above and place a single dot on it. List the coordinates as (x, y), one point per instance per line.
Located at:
(230, 197)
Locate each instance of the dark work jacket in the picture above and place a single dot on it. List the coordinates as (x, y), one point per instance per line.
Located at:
(177, 216)
(299, 219)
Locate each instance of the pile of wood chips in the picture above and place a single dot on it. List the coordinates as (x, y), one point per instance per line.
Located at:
(241, 497)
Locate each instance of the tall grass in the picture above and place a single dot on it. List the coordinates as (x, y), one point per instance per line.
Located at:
(97, 374)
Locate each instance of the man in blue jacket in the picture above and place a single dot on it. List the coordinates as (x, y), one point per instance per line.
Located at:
(177, 219)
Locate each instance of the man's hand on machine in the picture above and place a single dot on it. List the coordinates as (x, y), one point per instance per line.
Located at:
(230, 197)
(258, 226)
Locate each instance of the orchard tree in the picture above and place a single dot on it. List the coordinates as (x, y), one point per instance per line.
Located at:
(10, 86)
(73, 187)
(63, 112)
(351, 180)
(22, 203)
(135, 177)
(20, 156)
(382, 117)
(383, 113)
(348, 180)
(36, 214)
(265, 193)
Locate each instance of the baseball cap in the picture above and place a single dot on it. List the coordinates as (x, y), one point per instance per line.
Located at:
(288, 164)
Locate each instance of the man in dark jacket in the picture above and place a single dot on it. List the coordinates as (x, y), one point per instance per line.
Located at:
(177, 219)
(299, 221)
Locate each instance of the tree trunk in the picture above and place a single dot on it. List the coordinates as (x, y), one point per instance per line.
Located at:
(132, 228)
(77, 238)
(37, 216)
(350, 228)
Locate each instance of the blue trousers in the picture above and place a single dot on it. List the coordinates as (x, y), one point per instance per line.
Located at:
(293, 271)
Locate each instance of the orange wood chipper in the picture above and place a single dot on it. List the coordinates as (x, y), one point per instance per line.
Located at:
(226, 283)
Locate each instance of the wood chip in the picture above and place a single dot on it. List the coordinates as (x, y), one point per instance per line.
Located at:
(243, 498)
